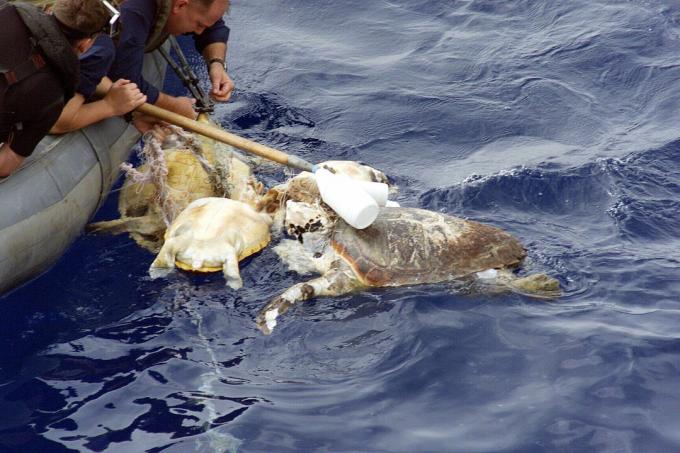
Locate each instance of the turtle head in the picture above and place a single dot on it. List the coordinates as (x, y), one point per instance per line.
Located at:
(302, 218)
(301, 188)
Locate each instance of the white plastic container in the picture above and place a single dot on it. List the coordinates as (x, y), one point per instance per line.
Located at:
(377, 190)
(347, 198)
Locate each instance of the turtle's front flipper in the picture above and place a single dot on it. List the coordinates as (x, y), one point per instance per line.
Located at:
(333, 283)
(165, 260)
(537, 285)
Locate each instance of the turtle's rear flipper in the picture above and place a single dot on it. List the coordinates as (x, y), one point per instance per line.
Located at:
(231, 271)
(536, 285)
(164, 262)
(141, 225)
(117, 226)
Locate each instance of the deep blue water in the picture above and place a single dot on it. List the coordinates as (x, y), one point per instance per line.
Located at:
(556, 120)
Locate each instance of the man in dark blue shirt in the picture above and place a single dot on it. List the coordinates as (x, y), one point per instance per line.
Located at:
(144, 26)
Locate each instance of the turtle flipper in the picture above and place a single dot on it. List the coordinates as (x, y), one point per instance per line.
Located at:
(143, 225)
(536, 285)
(266, 319)
(165, 260)
(231, 271)
(116, 226)
(333, 283)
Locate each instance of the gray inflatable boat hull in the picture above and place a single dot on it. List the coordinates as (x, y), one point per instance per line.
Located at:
(45, 205)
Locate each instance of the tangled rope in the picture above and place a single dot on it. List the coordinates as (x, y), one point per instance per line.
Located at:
(156, 173)
(156, 170)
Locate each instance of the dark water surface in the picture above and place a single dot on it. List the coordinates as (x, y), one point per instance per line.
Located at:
(557, 120)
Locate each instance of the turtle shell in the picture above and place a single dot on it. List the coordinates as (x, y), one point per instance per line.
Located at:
(210, 225)
(252, 247)
(406, 246)
(186, 181)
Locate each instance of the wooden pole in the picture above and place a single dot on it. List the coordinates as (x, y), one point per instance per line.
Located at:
(223, 136)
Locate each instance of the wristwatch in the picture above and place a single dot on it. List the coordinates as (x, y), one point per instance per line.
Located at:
(216, 60)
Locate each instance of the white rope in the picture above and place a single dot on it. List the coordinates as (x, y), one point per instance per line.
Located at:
(218, 441)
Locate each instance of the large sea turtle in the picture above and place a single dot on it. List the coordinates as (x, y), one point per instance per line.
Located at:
(404, 246)
(213, 234)
(177, 169)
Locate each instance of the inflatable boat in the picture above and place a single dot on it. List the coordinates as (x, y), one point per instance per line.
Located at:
(46, 203)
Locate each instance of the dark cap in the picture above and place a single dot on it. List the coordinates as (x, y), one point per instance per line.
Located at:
(84, 17)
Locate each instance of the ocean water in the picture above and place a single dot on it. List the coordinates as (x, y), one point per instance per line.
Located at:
(556, 120)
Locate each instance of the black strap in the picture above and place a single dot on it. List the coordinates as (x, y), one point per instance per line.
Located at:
(3, 82)
(7, 123)
(24, 69)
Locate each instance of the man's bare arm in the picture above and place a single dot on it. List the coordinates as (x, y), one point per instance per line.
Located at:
(222, 85)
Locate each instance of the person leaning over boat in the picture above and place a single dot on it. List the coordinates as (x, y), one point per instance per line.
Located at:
(146, 24)
(85, 108)
(39, 69)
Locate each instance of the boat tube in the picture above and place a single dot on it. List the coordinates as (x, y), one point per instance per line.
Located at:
(47, 202)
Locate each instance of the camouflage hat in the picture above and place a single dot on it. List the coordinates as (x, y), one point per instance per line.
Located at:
(84, 17)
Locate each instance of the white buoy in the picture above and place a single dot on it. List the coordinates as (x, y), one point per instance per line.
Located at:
(353, 204)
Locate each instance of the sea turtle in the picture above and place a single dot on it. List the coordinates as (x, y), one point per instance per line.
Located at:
(404, 246)
(183, 169)
(213, 234)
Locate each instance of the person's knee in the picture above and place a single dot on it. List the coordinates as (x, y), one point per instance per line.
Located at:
(9, 160)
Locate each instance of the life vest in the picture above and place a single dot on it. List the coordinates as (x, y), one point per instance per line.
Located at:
(50, 42)
(158, 34)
